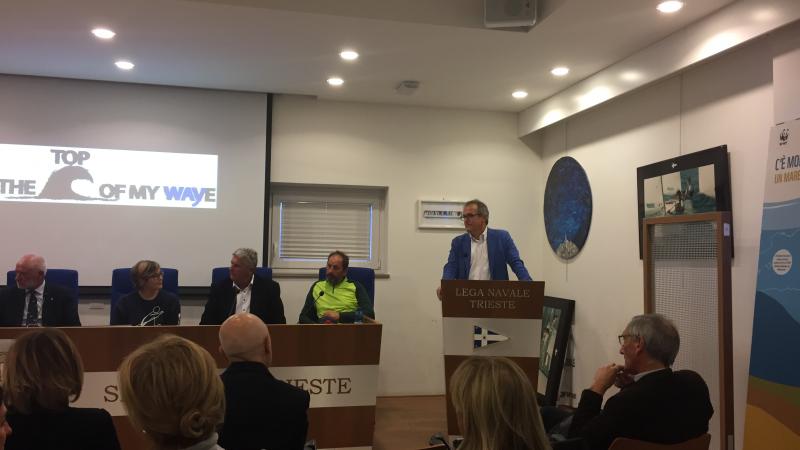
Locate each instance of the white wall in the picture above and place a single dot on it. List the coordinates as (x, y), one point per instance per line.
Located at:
(725, 101)
(94, 239)
(419, 153)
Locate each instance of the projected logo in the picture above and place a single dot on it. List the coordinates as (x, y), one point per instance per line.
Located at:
(30, 173)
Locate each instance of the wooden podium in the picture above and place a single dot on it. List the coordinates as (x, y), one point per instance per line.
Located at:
(336, 364)
(490, 318)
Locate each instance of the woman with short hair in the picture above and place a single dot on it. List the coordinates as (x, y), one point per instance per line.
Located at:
(496, 406)
(173, 393)
(149, 304)
(42, 375)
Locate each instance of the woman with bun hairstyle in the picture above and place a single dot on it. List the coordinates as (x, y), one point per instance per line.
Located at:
(172, 392)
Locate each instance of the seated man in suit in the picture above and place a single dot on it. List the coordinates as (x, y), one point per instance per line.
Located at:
(244, 292)
(261, 412)
(654, 404)
(336, 298)
(481, 253)
(33, 302)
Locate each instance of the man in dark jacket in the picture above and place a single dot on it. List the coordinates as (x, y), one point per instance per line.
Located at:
(654, 404)
(244, 291)
(261, 412)
(33, 302)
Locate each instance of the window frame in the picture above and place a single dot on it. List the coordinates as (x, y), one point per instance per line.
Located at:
(376, 196)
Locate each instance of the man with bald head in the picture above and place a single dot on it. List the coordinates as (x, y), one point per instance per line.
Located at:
(35, 303)
(261, 412)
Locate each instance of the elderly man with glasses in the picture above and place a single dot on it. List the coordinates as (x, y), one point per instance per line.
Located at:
(482, 253)
(34, 302)
(655, 403)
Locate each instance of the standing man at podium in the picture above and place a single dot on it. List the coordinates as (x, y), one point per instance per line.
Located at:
(482, 253)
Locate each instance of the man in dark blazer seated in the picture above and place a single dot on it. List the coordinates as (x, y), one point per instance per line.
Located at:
(33, 302)
(482, 253)
(261, 412)
(244, 291)
(654, 404)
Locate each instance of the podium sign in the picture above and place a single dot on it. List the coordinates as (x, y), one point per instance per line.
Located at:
(490, 318)
(336, 364)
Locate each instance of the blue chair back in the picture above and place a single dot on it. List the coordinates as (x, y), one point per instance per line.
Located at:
(66, 278)
(222, 273)
(363, 275)
(121, 283)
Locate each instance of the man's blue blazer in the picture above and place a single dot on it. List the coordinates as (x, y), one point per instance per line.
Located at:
(502, 252)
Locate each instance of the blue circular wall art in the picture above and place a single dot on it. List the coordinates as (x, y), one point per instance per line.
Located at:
(567, 207)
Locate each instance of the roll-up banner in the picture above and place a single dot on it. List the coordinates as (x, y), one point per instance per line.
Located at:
(772, 417)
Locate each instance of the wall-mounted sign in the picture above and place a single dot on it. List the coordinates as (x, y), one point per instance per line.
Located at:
(440, 214)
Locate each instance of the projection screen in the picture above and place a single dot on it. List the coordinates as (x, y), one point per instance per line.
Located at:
(97, 175)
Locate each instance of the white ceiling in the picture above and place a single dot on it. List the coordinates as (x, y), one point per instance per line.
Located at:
(291, 46)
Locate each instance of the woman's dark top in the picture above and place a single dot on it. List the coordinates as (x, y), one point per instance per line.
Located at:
(71, 429)
(132, 309)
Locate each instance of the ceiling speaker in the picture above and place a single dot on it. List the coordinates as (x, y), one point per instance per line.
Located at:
(509, 13)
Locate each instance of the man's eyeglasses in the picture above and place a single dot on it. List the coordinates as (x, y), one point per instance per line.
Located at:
(156, 275)
(622, 337)
(469, 216)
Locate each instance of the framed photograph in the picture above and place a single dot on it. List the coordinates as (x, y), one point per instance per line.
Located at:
(690, 184)
(557, 317)
(440, 214)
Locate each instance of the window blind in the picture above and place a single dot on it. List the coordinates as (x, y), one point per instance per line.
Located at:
(310, 230)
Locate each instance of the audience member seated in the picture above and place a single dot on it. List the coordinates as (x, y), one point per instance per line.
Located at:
(244, 292)
(654, 404)
(496, 406)
(261, 411)
(34, 303)
(336, 298)
(42, 375)
(172, 392)
(5, 428)
(149, 304)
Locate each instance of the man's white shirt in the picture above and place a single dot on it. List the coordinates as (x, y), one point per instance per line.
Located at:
(479, 258)
(639, 376)
(243, 297)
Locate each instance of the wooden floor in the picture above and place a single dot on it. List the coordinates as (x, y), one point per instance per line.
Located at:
(406, 423)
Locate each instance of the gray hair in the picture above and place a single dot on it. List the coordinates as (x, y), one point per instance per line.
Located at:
(247, 256)
(483, 210)
(660, 337)
(36, 261)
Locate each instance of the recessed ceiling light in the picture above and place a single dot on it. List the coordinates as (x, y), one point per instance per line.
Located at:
(670, 6)
(560, 71)
(124, 65)
(349, 55)
(103, 33)
(335, 81)
(520, 94)
(631, 75)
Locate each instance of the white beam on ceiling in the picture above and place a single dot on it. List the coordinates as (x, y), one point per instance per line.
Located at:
(727, 28)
